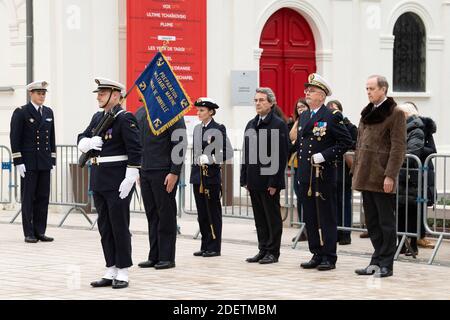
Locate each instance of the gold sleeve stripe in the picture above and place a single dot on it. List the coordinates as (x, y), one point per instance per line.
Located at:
(17, 155)
(53, 155)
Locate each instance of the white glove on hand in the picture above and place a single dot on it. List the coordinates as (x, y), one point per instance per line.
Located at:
(21, 169)
(127, 184)
(86, 144)
(203, 159)
(318, 158)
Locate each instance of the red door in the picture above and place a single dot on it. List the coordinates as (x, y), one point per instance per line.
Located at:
(288, 58)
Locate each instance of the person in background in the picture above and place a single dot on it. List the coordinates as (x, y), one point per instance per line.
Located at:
(344, 180)
(429, 148)
(299, 107)
(34, 154)
(408, 177)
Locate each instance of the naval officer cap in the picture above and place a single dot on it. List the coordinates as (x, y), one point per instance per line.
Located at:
(38, 85)
(206, 102)
(316, 80)
(103, 83)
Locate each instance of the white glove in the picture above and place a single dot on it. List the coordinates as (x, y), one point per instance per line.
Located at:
(318, 158)
(203, 159)
(127, 184)
(86, 144)
(21, 169)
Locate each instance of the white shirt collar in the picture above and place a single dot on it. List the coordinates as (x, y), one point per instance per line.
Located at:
(315, 110)
(35, 106)
(205, 125)
(377, 105)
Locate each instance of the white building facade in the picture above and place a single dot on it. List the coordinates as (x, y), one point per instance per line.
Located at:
(76, 40)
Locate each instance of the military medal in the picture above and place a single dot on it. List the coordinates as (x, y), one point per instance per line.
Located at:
(108, 135)
(320, 130)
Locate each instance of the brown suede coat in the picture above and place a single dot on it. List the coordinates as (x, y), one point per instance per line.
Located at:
(380, 148)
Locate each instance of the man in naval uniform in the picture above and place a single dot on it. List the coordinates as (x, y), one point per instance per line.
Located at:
(114, 171)
(322, 139)
(34, 155)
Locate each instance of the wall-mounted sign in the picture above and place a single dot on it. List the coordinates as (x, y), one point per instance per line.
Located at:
(243, 86)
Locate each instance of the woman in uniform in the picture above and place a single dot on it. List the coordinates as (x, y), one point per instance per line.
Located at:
(211, 149)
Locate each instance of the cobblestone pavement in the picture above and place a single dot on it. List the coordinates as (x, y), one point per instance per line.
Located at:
(63, 269)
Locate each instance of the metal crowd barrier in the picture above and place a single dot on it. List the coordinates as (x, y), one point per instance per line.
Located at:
(6, 176)
(412, 170)
(234, 204)
(69, 184)
(438, 214)
(70, 188)
(413, 173)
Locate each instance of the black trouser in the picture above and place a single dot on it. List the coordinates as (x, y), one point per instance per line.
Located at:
(215, 211)
(114, 227)
(328, 217)
(35, 190)
(296, 183)
(344, 209)
(380, 220)
(268, 222)
(161, 211)
(411, 213)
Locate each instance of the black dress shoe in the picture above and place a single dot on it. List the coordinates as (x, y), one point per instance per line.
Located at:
(44, 238)
(119, 284)
(326, 265)
(384, 272)
(102, 283)
(256, 258)
(208, 254)
(31, 240)
(367, 271)
(199, 253)
(269, 258)
(345, 241)
(147, 264)
(311, 264)
(165, 265)
(414, 253)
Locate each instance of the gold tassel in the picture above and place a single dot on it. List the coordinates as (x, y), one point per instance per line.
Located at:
(310, 193)
(202, 189)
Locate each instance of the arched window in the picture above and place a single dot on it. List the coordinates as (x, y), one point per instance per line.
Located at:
(409, 54)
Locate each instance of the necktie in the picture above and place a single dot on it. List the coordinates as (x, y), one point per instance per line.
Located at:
(40, 111)
(313, 113)
(259, 121)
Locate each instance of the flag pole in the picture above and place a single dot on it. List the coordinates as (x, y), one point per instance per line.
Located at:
(161, 49)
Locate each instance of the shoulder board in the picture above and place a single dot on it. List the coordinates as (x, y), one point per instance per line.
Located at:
(335, 111)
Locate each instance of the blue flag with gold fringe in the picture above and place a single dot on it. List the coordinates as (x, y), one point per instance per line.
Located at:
(162, 94)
